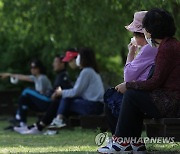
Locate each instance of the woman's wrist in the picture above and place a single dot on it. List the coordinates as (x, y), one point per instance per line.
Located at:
(132, 53)
(130, 57)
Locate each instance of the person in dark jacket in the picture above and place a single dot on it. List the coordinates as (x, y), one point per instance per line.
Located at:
(62, 77)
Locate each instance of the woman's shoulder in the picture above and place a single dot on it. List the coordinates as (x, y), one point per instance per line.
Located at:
(88, 71)
(170, 44)
(147, 50)
(43, 77)
(170, 40)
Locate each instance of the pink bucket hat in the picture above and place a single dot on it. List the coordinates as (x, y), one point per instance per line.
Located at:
(136, 25)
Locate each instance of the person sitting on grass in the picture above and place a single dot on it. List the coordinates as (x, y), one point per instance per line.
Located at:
(136, 68)
(27, 98)
(158, 97)
(86, 96)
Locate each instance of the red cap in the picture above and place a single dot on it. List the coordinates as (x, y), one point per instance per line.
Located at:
(69, 56)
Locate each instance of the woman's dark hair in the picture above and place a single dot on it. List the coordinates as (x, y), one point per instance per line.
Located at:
(159, 23)
(138, 34)
(38, 64)
(88, 59)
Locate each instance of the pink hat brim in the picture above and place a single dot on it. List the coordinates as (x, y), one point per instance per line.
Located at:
(131, 28)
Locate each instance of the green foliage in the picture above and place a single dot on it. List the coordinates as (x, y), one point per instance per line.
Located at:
(43, 28)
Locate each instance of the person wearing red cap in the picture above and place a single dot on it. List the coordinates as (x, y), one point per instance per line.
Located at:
(69, 56)
(86, 96)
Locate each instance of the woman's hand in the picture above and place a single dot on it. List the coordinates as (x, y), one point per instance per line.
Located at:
(58, 91)
(54, 96)
(132, 49)
(121, 87)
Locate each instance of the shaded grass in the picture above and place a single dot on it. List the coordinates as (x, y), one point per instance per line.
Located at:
(74, 140)
(67, 141)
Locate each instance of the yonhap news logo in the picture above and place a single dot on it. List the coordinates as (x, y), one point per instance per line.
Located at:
(101, 138)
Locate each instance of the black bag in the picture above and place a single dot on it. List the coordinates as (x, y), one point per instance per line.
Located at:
(113, 99)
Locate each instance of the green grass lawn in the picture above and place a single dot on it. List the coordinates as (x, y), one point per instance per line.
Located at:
(74, 140)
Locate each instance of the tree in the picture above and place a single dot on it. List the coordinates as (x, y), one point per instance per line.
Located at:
(43, 28)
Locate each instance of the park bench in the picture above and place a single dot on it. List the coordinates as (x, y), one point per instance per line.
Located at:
(89, 122)
(165, 127)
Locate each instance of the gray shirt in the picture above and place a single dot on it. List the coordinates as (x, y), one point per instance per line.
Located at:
(42, 83)
(89, 86)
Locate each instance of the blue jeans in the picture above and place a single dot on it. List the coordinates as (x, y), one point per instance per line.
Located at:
(79, 106)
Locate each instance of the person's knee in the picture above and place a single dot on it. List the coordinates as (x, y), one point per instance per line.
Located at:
(130, 93)
(64, 100)
(26, 91)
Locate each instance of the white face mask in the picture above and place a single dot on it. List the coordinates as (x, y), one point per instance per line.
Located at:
(149, 41)
(78, 60)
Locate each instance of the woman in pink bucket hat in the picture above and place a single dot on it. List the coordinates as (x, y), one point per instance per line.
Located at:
(137, 68)
(136, 25)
